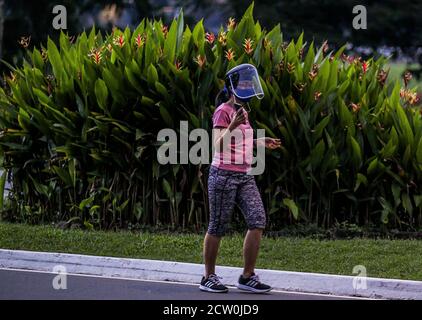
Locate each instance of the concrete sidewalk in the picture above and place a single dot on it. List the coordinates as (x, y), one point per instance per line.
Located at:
(191, 273)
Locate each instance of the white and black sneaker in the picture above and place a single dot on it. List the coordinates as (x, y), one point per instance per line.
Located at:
(212, 284)
(252, 284)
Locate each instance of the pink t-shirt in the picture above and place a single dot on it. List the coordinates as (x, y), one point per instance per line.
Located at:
(238, 154)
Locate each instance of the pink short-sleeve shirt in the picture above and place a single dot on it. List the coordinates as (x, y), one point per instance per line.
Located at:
(238, 154)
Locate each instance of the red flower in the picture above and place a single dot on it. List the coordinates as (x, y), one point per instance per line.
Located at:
(407, 77)
(119, 41)
(25, 41)
(317, 95)
(230, 54)
(200, 60)
(248, 46)
(210, 37)
(96, 55)
(231, 24)
(355, 107)
(178, 65)
(222, 38)
(140, 40)
(365, 66)
(165, 30)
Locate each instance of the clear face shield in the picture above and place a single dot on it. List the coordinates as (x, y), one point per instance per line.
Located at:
(244, 82)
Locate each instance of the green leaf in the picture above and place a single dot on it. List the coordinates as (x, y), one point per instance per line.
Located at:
(418, 200)
(356, 152)
(373, 165)
(55, 59)
(320, 127)
(167, 188)
(407, 204)
(396, 190)
(360, 178)
(198, 35)
(152, 75)
(292, 206)
(72, 172)
(101, 92)
(180, 26)
(170, 42)
(317, 154)
(2, 184)
(419, 152)
(168, 120)
(386, 211)
(86, 202)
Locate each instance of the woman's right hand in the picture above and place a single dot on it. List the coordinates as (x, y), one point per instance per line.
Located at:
(238, 119)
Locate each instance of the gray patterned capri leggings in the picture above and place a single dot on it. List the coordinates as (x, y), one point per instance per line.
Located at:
(225, 190)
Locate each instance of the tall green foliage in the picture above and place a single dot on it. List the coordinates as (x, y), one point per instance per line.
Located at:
(79, 124)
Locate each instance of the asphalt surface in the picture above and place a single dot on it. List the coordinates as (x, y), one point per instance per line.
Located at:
(23, 285)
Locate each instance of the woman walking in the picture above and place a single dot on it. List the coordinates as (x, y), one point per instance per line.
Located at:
(229, 182)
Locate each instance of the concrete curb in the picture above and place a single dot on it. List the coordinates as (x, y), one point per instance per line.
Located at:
(191, 273)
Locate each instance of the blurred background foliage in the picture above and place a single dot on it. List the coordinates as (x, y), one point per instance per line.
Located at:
(394, 27)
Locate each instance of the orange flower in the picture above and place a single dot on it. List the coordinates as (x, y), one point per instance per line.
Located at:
(222, 38)
(230, 54)
(355, 107)
(407, 77)
(317, 95)
(44, 54)
(409, 96)
(300, 54)
(12, 76)
(266, 42)
(248, 46)
(96, 55)
(178, 65)
(325, 46)
(280, 67)
(25, 41)
(165, 30)
(290, 67)
(382, 76)
(160, 52)
(300, 86)
(365, 66)
(119, 41)
(140, 40)
(231, 24)
(210, 37)
(312, 75)
(200, 60)
(403, 93)
(414, 99)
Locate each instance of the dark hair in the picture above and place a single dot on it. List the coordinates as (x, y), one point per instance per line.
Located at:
(222, 96)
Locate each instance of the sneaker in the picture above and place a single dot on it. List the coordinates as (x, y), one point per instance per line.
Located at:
(212, 284)
(252, 284)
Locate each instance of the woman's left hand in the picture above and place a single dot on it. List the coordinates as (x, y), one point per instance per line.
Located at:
(270, 143)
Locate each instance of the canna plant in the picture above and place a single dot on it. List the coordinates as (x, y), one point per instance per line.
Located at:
(79, 121)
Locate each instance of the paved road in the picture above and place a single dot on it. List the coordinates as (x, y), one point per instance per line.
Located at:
(17, 284)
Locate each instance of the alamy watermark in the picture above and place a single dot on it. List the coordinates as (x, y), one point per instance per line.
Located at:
(60, 281)
(236, 148)
(359, 281)
(360, 20)
(60, 20)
